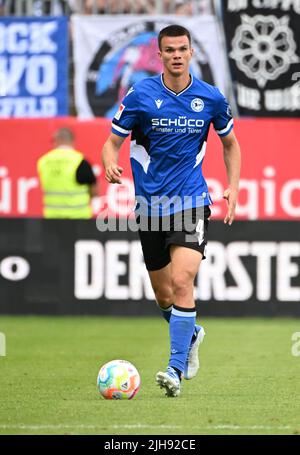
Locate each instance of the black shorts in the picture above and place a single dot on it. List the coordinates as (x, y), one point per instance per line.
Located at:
(187, 228)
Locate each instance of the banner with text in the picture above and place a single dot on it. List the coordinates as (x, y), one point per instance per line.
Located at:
(269, 185)
(69, 267)
(263, 43)
(113, 52)
(33, 67)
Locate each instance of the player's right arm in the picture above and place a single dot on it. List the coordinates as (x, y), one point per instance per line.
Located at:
(122, 124)
(110, 155)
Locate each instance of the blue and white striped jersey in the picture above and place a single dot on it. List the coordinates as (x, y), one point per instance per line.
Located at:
(168, 140)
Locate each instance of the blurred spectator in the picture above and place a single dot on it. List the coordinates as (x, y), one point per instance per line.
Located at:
(57, 7)
(117, 6)
(183, 7)
(206, 6)
(34, 7)
(190, 7)
(67, 179)
(75, 6)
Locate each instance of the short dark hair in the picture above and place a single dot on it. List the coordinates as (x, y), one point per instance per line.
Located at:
(64, 134)
(173, 30)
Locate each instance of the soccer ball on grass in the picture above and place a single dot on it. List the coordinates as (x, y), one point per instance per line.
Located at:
(118, 380)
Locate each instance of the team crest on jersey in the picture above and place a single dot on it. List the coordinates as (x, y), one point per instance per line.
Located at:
(197, 105)
(120, 112)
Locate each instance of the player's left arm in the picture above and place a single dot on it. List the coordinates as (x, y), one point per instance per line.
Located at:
(232, 159)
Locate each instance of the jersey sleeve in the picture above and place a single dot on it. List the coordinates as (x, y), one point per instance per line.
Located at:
(85, 173)
(223, 121)
(127, 115)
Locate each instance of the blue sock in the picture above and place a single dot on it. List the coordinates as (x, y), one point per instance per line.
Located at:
(182, 326)
(166, 312)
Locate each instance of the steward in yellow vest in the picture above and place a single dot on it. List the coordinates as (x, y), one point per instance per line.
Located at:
(67, 180)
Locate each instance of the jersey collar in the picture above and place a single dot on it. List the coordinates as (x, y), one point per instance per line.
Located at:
(171, 91)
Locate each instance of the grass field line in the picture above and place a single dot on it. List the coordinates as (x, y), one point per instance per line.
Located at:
(142, 426)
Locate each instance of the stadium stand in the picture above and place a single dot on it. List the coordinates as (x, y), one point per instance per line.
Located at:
(57, 7)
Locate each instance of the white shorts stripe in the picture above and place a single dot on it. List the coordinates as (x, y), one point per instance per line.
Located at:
(200, 230)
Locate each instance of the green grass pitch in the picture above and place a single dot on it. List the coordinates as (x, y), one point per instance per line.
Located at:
(248, 382)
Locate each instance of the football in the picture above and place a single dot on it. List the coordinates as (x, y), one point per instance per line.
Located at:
(118, 380)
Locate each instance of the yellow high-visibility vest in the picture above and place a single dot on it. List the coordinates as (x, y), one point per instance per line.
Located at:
(63, 196)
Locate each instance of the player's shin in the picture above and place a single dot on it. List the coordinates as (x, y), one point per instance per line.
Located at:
(182, 324)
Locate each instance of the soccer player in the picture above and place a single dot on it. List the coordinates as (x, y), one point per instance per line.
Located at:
(169, 117)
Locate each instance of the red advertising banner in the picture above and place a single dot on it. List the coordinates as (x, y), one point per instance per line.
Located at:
(270, 180)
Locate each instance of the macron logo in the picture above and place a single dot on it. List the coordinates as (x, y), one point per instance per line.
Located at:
(158, 103)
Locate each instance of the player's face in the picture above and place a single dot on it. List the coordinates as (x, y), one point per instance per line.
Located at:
(176, 54)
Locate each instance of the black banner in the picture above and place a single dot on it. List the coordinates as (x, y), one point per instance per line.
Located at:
(69, 267)
(152, 443)
(263, 50)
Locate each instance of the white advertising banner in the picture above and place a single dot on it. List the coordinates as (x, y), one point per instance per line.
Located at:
(113, 52)
(70, 267)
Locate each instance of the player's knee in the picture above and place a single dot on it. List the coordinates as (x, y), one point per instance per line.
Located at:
(181, 284)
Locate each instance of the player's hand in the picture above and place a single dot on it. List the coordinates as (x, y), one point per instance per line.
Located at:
(231, 196)
(113, 173)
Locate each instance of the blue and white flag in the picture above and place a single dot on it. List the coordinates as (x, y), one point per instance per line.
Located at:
(33, 67)
(113, 52)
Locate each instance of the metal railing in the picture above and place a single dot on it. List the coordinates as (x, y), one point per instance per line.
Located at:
(58, 7)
